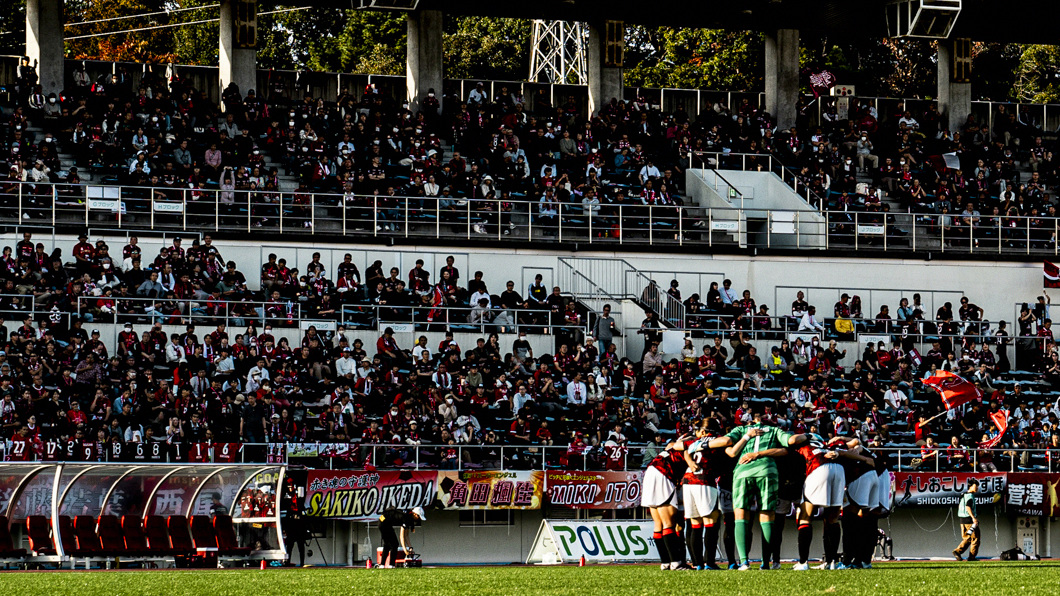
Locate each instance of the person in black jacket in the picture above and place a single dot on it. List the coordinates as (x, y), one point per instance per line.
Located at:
(395, 518)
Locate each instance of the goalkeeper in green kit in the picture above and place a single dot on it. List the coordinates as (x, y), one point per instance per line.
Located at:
(755, 480)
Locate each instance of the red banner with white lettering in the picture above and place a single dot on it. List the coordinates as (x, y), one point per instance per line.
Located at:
(1033, 493)
(954, 390)
(594, 490)
(1000, 420)
(1050, 275)
(364, 495)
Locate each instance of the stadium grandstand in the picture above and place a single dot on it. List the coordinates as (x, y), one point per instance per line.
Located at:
(240, 316)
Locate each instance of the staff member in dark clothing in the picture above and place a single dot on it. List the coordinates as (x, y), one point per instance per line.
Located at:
(395, 518)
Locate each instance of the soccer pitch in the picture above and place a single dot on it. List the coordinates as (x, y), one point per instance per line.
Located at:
(931, 578)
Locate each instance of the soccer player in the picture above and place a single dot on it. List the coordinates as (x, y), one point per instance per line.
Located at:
(755, 478)
(862, 479)
(882, 509)
(790, 470)
(823, 488)
(659, 495)
(700, 498)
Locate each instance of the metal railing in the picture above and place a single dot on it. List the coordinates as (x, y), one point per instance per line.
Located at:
(624, 224)
(589, 278)
(476, 456)
(196, 311)
(460, 317)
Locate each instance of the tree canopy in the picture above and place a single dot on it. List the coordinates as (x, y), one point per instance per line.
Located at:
(364, 42)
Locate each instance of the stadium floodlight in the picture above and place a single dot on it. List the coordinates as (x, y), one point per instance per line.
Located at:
(385, 4)
(929, 19)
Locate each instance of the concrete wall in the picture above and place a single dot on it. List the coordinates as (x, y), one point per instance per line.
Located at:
(917, 534)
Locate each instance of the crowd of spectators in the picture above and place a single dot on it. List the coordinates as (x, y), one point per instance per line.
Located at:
(215, 384)
(371, 151)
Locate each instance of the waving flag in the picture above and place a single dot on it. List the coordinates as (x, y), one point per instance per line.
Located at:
(1051, 274)
(1000, 420)
(953, 389)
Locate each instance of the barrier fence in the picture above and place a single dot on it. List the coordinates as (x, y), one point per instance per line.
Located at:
(124, 208)
(476, 457)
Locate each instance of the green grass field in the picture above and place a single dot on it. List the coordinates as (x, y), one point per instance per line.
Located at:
(931, 578)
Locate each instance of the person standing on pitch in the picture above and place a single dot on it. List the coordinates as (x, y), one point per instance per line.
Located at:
(755, 479)
(396, 518)
(969, 523)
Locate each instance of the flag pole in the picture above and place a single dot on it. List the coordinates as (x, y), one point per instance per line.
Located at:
(936, 416)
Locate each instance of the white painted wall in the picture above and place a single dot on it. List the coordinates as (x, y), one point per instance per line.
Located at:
(917, 533)
(773, 280)
(760, 196)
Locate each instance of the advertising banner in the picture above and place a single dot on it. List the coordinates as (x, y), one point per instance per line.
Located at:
(934, 489)
(488, 489)
(594, 490)
(1033, 493)
(567, 541)
(360, 495)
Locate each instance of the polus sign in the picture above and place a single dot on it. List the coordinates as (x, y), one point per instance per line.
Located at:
(597, 540)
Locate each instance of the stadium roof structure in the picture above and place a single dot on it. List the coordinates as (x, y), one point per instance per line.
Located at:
(980, 20)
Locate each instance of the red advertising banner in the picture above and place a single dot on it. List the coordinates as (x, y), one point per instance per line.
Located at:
(594, 490)
(360, 495)
(934, 489)
(1033, 493)
(485, 489)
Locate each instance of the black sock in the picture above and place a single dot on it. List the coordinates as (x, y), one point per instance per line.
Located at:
(711, 543)
(805, 539)
(831, 542)
(694, 540)
(870, 530)
(675, 545)
(850, 537)
(778, 538)
(730, 539)
(660, 545)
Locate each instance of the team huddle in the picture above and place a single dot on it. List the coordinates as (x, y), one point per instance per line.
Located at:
(763, 469)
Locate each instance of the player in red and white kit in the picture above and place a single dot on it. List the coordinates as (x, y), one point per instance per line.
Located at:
(823, 488)
(700, 498)
(22, 446)
(659, 495)
(862, 487)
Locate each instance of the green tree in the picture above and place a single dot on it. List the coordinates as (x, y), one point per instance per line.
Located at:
(485, 48)
(13, 28)
(153, 45)
(1038, 75)
(694, 58)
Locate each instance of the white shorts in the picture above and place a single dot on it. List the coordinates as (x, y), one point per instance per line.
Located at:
(700, 500)
(657, 490)
(725, 500)
(824, 486)
(885, 490)
(862, 490)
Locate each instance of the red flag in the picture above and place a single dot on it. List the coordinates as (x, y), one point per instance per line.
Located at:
(1051, 273)
(1000, 420)
(954, 390)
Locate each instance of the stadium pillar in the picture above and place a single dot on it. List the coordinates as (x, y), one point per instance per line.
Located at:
(782, 76)
(44, 42)
(954, 81)
(604, 67)
(238, 60)
(423, 66)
